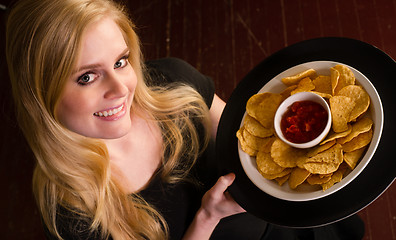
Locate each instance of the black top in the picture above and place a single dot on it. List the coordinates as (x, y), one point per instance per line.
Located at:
(179, 202)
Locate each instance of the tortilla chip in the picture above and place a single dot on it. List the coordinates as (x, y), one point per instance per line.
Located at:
(323, 95)
(304, 85)
(267, 144)
(285, 155)
(292, 80)
(253, 141)
(346, 77)
(352, 158)
(334, 136)
(287, 92)
(297, 176)
(334, 77)
(361, 126)
(320, 148)
(314, 179)
(323, 84)
(335, 178)
(263, 107)
(282, 180)
(250, 151)
(256, 129)
(325, 162)
(341, 108)
(359, 141)
(266, 164)
(277, 175)
(359, 96)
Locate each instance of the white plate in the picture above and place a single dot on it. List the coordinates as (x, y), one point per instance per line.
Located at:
(306, 192)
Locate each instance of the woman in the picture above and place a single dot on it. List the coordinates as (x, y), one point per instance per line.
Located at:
(123, 149)
(113, 139)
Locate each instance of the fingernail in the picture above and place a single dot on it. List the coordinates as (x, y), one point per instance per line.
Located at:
(230, 176)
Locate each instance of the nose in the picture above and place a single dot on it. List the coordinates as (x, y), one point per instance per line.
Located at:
(115, 87)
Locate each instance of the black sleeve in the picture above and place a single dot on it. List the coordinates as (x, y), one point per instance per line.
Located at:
(169, 70)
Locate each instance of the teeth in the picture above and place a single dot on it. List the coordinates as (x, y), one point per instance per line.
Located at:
(109, 112)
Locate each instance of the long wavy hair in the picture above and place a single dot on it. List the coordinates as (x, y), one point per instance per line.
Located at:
(73, 171)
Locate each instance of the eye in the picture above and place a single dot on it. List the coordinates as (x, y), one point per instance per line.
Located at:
(121, 63)
(86, 78)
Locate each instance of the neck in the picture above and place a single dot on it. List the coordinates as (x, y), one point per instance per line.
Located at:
(136, 156)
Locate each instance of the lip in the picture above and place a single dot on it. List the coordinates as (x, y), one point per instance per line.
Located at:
(105, 114)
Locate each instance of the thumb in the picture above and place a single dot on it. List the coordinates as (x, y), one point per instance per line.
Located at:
(222, 184)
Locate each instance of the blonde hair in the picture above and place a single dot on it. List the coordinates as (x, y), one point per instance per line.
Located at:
(73, 171)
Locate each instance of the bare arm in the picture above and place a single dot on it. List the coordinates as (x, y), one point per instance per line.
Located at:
(215, 113)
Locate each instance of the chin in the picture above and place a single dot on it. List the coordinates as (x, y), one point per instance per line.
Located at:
(114, 134)
(105, 132)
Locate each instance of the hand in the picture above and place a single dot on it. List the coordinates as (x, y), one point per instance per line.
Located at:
(217, 203)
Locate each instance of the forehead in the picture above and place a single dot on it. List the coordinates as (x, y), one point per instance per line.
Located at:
(101, 38)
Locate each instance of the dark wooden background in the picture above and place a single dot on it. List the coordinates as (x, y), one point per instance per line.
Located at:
(224, 39)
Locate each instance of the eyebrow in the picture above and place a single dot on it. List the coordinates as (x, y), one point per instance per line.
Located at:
(91, 66)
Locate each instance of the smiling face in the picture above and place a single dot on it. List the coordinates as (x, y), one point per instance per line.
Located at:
(97, 99)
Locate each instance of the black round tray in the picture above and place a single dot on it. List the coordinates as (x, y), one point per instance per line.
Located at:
(379, 68)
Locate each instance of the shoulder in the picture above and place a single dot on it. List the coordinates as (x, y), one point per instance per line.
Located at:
(174, 67)
(174, 70)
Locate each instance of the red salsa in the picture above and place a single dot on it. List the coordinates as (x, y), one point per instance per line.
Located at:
(303, 121)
